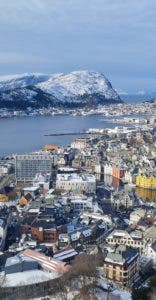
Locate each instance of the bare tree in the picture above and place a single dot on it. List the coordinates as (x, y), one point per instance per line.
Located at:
(84, 274)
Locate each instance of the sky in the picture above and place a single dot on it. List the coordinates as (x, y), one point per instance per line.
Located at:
(115, 37)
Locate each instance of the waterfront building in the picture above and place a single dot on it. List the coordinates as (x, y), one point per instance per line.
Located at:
(80, 143)
(146, 194)
(108, 169)
(146, 182)
(113, 170)
(127, 177)
(51, 148)
(118, 172)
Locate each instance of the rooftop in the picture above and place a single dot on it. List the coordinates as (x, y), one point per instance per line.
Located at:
(76, 177)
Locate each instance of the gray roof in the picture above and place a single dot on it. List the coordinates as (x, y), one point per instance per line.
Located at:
(17, 259)
(121, 255)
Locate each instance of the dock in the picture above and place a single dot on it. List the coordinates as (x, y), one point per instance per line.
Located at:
(68, 133)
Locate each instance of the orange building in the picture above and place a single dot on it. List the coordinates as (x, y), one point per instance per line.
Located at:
(50, 147)
(118, 172)
(3, 198)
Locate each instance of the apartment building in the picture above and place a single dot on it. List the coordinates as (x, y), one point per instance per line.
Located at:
(122, 265)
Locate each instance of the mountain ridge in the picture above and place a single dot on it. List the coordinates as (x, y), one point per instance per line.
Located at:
(78, 88)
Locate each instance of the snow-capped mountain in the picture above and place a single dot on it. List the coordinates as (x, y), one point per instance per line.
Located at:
(78, 83)
(77, 88)
(11, 82)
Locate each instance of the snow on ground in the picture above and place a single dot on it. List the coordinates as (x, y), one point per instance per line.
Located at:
(123, 295)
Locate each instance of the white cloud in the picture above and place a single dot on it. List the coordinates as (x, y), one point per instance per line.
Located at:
(113, 35)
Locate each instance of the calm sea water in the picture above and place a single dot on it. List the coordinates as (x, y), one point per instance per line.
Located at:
(19, 135)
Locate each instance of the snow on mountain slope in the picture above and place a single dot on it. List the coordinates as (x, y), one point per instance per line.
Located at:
(11, 82)
(79, 88)
(78, 83)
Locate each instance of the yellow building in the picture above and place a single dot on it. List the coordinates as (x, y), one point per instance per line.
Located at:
(3, 198)
(146, 194)
(146, 182)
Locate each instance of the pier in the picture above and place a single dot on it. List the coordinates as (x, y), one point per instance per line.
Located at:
(83, 132)
(68, 133)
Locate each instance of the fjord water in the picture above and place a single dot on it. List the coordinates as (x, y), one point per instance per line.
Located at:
(24, 134)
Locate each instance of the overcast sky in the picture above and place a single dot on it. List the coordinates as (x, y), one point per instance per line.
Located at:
(116, 37)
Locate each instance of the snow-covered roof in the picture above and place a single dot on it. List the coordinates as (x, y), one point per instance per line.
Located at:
(27, 277)
(65, 254)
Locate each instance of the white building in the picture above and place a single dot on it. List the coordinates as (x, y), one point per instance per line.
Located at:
(108, 169)
(136, 216)
(150, 251)
(128, 177)
(4, 169)
(80, 143)
(33, 190)
(81, 202)
(42, 181)
(77, 183)
(97, 169)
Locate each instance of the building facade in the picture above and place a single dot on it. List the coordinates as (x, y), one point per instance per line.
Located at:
(76, 183)
(28, 165)
(122, 265)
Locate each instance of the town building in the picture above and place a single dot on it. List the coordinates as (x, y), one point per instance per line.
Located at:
(76, 183)
(28, 165)
(122, 237)
(122, 265)
(136, 215)
(80, 143)
(146, 182)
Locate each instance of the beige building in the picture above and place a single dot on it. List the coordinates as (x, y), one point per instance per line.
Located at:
(136, 238)
(137, 215)
(80, 143)
(122, 237)
(122, 265)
